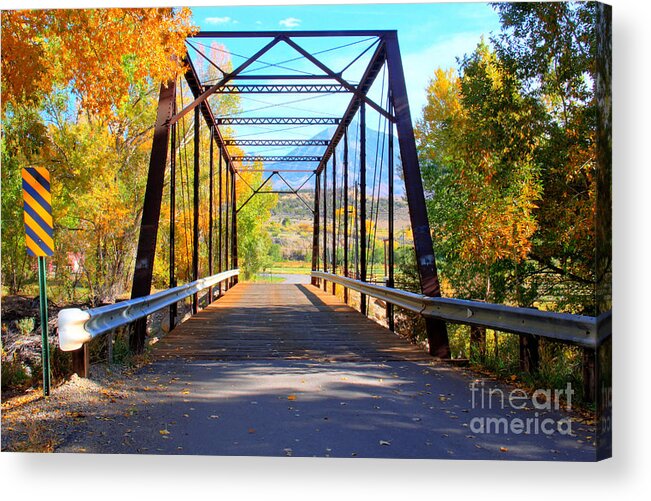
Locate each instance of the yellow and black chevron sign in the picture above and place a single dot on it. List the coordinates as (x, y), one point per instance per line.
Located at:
(37, 208)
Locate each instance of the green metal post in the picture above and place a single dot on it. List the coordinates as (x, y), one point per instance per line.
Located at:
(45, 346)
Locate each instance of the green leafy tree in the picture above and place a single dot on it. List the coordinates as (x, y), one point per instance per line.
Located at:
(551, 47)
(476, 140)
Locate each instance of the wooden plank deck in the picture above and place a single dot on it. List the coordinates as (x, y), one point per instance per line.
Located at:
(283, 321)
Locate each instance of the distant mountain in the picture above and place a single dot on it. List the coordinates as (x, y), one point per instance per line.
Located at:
(377, 161)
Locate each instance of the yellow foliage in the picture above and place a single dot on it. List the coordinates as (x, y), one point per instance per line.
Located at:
(101, 52)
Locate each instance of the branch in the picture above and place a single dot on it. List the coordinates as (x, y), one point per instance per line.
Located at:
(546, 262)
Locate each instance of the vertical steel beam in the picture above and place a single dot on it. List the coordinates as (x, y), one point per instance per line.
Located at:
(227, 230)
(597, 368)
(345, 212)
(362, 202)
(234, 228)
(325, 222)
(172, 281)
(211, 201)
(334, 216)
(195, 209)
(144, 266)
(437, 335)
(356, 230)
(390, 258)
(315, 229)
(219, 223)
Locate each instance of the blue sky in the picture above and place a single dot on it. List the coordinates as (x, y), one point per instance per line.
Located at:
(430, 35)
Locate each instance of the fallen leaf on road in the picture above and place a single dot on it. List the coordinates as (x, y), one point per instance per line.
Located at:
(164, 432)
(503, 449)
(291, 397)
(251, 430)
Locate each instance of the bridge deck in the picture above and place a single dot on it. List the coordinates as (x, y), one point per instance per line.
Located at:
(286, 321)
(288, 370)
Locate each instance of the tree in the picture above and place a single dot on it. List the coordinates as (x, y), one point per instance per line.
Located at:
(253, 239)
(551, 47)
(475, 142)
(510, 143)
(79, 89)
(101, 54)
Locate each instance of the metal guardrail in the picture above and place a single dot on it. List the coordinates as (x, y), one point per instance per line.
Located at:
(77, 326)
(578, 330)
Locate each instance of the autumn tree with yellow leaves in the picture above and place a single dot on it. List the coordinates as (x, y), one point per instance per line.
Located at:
(79, 91)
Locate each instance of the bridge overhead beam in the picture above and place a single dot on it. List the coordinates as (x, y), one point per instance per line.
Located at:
(278, 121)
(267, 158)
(281, 89)
(293, 34)
(277, 142)
(312, 171)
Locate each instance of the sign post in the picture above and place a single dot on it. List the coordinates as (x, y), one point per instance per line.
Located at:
(37, 211)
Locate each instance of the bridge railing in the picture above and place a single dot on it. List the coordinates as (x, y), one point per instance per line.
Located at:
(77, 327)
(579, 330)
(588, 333)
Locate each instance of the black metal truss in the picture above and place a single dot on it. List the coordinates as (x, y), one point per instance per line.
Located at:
(301, 34)
(293, 171)
(276, 142)
(375, 65)
(387, 52)
(280, 88)
(278, 121)
(266, 158)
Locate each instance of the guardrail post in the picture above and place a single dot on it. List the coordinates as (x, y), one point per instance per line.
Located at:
(80, 361)
(477, 343)
(529, 354)
(589, 374)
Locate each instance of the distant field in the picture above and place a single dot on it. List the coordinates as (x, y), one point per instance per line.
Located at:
(297, 267)
(266, 279)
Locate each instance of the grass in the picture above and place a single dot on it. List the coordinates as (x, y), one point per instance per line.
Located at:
(265, 279)
(305, 268)
(291, 267)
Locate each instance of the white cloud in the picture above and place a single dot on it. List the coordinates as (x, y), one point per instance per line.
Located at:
(219, 20)
(290, 22)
